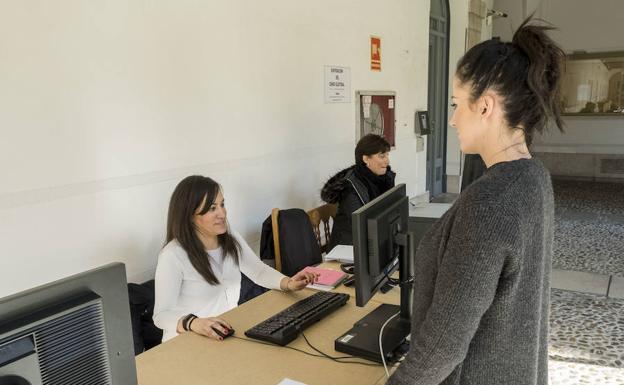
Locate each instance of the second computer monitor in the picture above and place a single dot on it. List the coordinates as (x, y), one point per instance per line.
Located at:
(376, 227)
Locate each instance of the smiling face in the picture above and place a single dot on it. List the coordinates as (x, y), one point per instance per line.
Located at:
(467, 119)
(377, 163)
(214, 221)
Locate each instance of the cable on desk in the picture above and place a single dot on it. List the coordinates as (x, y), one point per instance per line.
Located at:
(338, 359)
(383, 358)
(321, 355)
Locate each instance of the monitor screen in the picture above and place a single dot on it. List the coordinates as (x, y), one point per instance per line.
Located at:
(375, 247)
(73, 331)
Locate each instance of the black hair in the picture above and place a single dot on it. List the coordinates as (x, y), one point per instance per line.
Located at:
(370, 144)
(525, 72)
(185, 202)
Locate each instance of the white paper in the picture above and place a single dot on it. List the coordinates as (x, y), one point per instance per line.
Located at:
(366, 110)
(320, 287)
(337, 84)
(341, 253)
(288, 381)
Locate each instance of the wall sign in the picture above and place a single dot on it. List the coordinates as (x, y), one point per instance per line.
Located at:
(375, 43)
(337, 84)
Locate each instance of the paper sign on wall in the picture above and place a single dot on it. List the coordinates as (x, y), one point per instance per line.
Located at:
(337, 84)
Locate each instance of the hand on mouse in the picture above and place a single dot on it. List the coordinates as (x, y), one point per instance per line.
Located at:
(207, 326)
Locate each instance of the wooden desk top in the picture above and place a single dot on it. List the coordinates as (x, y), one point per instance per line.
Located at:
(190, 359)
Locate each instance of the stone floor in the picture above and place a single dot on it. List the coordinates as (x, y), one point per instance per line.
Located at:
(586, 339)
(587, 330)
(589, 233)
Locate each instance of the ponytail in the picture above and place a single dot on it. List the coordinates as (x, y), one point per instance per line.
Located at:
(526, 73)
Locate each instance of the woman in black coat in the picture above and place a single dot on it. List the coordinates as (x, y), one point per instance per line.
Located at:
(357, 185)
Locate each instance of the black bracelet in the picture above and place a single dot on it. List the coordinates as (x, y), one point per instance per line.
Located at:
(186, 320)
(190, 322)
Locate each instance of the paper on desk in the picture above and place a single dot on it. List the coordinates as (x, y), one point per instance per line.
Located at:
(341, 253)
(288, 381)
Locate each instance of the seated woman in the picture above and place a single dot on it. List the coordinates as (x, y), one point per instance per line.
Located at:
(357, 185)
(198, 275)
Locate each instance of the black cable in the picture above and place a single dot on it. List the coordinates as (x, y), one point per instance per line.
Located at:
(348, 268)
(278, 346)
(321, 355)
(337, 359)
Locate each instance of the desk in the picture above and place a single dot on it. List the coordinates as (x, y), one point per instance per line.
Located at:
(422, 216)
(190, 359)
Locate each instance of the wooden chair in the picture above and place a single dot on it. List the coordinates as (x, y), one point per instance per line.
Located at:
(320, 215)
(276, 243)
(317, 216)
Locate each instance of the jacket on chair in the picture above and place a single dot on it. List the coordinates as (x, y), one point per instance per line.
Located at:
(298, 245)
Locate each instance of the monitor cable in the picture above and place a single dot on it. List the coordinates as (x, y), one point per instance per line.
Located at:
(383, 357)
(321, 355)
(349, 268)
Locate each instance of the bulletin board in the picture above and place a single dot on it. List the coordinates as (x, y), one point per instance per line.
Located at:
(375, 113)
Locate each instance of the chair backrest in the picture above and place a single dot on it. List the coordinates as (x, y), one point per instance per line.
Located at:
(276, 244)
(321, 215)
(299, 246)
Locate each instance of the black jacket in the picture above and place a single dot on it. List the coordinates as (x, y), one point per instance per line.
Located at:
(350, 193)
(298, 245)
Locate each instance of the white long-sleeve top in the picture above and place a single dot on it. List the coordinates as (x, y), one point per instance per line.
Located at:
(181, 290)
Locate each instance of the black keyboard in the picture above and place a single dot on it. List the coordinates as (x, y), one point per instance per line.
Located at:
(285, 326)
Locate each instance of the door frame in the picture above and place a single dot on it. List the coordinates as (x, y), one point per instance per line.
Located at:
(444, 138)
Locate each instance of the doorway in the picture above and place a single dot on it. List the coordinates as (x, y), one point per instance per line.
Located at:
(437, 100)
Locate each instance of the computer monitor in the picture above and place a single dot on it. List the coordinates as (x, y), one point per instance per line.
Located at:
(73, 331)
(381, 244)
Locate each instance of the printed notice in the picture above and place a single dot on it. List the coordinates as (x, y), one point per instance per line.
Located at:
(337, 84)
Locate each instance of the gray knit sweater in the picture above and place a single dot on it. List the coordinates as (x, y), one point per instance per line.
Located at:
(482, 283)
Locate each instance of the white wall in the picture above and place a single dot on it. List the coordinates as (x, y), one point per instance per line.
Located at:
(589, 26)
(105, 106)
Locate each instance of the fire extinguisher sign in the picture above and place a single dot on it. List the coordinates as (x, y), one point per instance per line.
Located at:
(375, 43)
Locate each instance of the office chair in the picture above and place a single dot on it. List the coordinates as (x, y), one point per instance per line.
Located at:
(295, 244)
(321, 215)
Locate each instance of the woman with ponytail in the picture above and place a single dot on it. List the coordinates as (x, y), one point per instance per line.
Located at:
(482, 277)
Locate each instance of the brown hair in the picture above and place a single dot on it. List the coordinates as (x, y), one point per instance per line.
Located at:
(185, 201)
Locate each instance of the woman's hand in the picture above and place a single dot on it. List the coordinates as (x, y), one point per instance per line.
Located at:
(207, 326)
(299, 281)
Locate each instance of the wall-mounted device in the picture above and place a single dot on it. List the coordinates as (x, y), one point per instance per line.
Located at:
(422, 126)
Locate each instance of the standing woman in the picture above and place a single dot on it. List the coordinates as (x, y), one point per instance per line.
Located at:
(357, 185)
(482, 277)
(198, 275)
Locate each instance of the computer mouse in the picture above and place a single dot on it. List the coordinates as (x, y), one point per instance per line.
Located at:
(349, 281)
(224, 335)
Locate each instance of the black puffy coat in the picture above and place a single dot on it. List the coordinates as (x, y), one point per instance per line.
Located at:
(350, 193)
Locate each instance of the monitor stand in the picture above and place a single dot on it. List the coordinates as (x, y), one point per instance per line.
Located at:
(363, 339)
